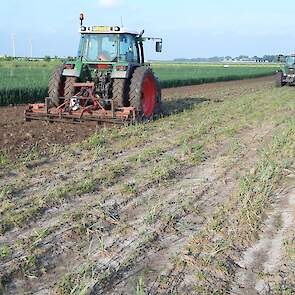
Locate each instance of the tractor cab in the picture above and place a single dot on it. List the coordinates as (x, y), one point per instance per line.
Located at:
(113, 44)
(286, 74)
(109, 47)
(290, 60)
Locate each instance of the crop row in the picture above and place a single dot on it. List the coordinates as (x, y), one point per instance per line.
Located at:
(27, 83)
(23, 84)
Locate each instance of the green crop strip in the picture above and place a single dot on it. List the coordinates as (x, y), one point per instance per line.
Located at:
(24, 82)
(174, 75)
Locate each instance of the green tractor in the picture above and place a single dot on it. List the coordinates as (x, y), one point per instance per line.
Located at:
(286, 75)
(108, 81)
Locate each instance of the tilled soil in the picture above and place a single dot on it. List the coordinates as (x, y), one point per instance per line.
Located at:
(124, 233)
(18, 137)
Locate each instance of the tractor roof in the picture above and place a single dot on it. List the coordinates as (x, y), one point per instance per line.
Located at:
(106, 30)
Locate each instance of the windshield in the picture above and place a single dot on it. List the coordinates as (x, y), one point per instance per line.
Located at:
(98, 47)
(290, 60)
(104, 47)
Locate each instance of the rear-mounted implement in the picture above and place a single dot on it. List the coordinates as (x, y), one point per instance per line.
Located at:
(82, 108)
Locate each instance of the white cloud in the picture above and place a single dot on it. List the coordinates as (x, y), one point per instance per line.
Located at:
(109, 3)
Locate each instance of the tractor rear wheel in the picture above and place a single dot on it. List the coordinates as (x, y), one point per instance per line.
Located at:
(69, 89)
(279, 79)
(158, 109)
(143, 93)
(56, 86)
(119, 92)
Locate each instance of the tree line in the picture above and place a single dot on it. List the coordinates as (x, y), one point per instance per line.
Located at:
(265, 58)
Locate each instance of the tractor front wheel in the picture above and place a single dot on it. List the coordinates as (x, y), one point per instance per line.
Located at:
(279, 79)
(143, 94)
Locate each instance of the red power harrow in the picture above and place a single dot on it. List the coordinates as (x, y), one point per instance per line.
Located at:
(84, 107)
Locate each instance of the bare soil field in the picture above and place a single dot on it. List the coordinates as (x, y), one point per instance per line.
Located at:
(18, 136)
(200, 201)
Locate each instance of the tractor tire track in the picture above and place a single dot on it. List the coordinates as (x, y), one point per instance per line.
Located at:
(266, 256)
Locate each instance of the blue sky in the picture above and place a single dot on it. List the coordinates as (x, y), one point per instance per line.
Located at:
(189, 28)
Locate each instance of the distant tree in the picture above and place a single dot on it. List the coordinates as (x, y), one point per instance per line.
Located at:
(47, 58)
(214, 59)
(8, 58)
(243, 57)
(270, 58)
(280, 58)
(257, 58)
(181, 59)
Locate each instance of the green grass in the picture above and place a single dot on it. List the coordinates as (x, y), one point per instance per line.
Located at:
(24, 82)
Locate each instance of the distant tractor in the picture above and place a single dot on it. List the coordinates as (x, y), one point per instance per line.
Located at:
(109, 81)
(286, 75)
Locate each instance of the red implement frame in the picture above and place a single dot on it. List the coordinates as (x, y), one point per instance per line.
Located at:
(90, 110)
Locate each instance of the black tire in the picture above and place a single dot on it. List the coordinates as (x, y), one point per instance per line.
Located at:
(120, 93)
(69, 89)
(279, 79)
(136, 92)
(56, 86)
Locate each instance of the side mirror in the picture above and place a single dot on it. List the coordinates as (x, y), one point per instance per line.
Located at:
(158, 46)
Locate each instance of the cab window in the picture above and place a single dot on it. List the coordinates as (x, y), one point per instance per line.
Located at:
(128, 48)
(290, 60)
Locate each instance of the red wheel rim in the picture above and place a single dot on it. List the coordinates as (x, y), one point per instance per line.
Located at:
(149, 91)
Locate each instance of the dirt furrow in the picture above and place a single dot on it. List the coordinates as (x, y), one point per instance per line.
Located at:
(265, 257)
(171, 236)
(198, 181)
